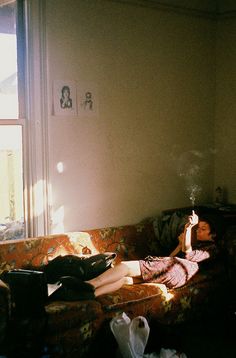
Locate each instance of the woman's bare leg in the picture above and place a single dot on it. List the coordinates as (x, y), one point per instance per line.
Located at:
(110, 287)
(115, 277)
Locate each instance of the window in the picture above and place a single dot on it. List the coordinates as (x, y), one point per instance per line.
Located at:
(12, 222)
(24, 184)
(11, 179)
(8, 61)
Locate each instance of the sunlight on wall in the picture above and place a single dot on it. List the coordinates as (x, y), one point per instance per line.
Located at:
(56, 217)
(57, 220)
(60, 167)
(38, 189)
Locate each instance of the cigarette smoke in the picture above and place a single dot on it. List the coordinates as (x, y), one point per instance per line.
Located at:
(190, 166)
(194, 191)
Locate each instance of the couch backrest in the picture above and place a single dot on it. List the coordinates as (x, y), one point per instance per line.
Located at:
(155, 236)
(33, 252)
(130, 242)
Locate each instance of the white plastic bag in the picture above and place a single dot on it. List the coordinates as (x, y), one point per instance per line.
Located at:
(131, 335)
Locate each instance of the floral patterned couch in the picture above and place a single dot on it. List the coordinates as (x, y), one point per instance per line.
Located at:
(74, 329)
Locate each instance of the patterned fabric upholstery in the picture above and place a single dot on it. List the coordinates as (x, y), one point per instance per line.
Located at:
(72, 327)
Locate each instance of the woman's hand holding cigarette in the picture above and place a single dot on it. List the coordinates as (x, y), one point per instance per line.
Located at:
(192, 220)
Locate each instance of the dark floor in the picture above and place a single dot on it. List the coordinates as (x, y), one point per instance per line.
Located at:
(211, 337)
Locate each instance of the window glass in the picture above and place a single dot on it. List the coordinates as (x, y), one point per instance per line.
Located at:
(11, 183)
(8, 62)
(12, 225)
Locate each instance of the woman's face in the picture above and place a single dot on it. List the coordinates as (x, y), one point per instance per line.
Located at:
(66, 93)
(203, 231)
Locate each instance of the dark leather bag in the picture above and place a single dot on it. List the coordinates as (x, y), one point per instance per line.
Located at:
(84, 268)
(28, 289)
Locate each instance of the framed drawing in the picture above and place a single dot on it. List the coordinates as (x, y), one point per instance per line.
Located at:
(87, 96)
(64, 98)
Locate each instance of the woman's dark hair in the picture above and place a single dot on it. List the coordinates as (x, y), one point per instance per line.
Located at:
(65, 88)
(216, 224)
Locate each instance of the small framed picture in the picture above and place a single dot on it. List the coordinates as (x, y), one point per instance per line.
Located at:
(87, 95)
(64, 98)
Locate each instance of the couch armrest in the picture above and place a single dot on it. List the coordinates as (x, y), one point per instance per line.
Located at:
(230, 247)
(4, 309)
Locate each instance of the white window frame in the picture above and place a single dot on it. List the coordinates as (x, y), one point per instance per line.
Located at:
(35, 135)
(33, 114)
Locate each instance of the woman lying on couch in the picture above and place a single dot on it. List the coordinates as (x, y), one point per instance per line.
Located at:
(173, 271)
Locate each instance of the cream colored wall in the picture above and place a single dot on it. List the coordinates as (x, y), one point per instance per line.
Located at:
(225, 127)
(155, 76)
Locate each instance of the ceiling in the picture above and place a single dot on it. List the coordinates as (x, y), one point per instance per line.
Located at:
(213, 7)
(202, 5)
(207, 6)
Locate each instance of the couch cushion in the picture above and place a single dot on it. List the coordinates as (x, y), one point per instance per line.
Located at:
(131, 294)
(134, 300)
(167, 228)
(63, 315)
(166, 305)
